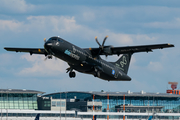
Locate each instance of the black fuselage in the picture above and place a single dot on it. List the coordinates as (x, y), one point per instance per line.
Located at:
(82, 60)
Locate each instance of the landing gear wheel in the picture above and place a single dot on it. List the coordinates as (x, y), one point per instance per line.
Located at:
(72, 74)
(97, 74)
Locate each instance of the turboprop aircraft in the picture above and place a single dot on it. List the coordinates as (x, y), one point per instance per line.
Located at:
(88, 60)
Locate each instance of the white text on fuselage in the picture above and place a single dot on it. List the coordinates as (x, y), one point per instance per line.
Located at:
(89, 56)
(78, 51)
(72, 54)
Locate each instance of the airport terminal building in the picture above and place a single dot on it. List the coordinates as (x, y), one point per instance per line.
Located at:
(134, 101)
(79, 104)
(19, 99)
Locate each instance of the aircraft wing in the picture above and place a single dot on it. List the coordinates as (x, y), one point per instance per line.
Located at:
(29, 50)
(109, 50)
(142, 48)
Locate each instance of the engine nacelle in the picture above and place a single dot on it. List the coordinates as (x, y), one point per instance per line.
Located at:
(107, 50)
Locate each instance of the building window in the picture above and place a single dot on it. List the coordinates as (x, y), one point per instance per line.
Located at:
(47, 103)
(58, 103)
(63, 104)
(53, 104)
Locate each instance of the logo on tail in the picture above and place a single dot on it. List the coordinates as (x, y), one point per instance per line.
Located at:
(123, 62)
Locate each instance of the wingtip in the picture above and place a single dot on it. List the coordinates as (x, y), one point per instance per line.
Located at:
(170, 45)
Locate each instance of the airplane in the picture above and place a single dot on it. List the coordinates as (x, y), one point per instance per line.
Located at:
(88, 60)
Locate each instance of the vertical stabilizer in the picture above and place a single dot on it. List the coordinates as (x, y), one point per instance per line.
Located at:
(123, 62)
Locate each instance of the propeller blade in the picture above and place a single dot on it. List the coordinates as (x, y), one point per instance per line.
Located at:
(97, 41)
(104, 41)
(101, 46)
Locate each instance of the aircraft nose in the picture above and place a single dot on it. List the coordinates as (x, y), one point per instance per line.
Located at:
(48, 45)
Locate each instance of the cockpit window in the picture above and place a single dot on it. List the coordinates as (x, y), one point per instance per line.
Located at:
(53, 39)
(60, 40)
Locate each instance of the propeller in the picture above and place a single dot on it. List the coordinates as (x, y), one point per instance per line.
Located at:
(101, 46)
(49, 56)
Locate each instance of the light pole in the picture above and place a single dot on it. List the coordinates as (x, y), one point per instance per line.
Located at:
(66, 105)
(1, 104)
(60, 104)
(148, 107)
(7, 106)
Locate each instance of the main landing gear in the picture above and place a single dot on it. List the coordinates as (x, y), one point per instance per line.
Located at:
(72, 74)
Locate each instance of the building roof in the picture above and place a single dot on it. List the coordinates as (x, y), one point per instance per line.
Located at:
(138, 94)
(128, 93)
(20, 91)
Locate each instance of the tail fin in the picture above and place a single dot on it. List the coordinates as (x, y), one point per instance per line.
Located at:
(123, 62)
(37, 117)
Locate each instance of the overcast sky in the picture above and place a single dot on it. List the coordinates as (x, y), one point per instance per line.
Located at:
(26, 23)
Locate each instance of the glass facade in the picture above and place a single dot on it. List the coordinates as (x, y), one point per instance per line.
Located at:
(71, 95)
(18, 101)
(58, 104)
(167, 103)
